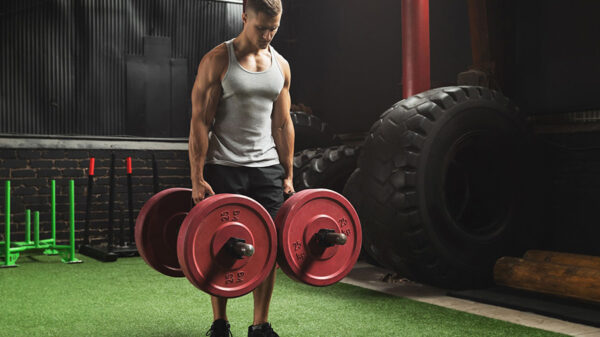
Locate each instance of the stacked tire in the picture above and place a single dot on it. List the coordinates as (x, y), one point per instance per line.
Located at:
(311, 131)
(325, 167)
(443, 186)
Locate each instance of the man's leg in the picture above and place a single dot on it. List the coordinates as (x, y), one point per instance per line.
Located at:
(266, 187)
(262, 299)
(219, 306)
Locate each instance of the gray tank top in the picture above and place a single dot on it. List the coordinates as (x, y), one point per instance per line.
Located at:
(241, 132)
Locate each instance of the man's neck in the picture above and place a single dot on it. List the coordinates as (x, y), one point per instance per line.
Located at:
(244, 47)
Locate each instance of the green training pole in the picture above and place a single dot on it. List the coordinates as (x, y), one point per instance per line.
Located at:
(52, 241)
(53, 211)
(71, 258)
(7, 222)
(36, 228)
(72, 216)
(28, 226)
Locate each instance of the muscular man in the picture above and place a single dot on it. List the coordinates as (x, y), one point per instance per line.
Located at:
(241, 95)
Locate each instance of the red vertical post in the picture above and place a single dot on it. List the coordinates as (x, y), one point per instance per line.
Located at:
(130, 202)
(88, 201)
(92, 164)
(129, 168)
(415, 47)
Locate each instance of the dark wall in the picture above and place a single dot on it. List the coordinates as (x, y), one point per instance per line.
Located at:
(69, 67)
(571, 171)
(556, 58)
(346, 56)
(64, 64)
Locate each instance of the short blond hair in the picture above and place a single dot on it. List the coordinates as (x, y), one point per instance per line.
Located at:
(269, 7)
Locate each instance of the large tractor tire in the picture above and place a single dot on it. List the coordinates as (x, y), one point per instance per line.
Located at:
(443, 186)
(327, 168)
(310, 131)
(368, 251)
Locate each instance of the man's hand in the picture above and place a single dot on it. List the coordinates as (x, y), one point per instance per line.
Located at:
(288, 186)
(200, 190)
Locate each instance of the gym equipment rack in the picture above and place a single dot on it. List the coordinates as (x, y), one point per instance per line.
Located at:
(10, 251)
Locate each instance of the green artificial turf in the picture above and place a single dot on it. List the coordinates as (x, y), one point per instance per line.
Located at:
(44, 297)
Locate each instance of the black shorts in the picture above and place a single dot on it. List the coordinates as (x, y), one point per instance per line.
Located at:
(263, 184)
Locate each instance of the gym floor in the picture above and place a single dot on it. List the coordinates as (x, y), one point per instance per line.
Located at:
(44, 297)
(370, 277)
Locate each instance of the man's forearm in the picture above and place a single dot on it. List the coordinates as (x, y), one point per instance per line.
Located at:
(284, 142)
(198, 146)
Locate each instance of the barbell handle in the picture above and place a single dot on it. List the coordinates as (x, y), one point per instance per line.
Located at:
(336, 238)
(242, 249)
(329, 238)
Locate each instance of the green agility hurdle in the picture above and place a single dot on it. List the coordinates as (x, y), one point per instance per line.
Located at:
(10, 251)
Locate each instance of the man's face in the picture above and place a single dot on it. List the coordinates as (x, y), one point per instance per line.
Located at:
(260, 27)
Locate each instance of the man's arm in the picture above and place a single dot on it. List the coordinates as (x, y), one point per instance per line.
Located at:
(283, 129)
(205, 98)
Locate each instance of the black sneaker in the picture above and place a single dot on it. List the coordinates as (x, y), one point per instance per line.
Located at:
(261, 330)
(219, 328)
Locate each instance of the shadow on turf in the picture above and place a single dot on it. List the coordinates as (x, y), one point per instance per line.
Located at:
(53, 259)
(337, 291)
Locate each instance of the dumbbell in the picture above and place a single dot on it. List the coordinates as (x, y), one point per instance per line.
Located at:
(227, 244)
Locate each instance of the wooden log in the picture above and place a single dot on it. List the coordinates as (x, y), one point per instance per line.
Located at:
(563, 258)
(549, 278)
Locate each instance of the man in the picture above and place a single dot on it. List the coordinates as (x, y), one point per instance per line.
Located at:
(241, 95)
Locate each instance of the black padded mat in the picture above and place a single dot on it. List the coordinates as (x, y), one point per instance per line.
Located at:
(547, 305)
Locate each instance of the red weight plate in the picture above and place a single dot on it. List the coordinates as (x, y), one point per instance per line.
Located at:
(299, 219)
(201, 249)
(157, 226)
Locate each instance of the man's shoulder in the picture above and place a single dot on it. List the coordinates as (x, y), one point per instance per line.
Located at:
(217, 56)
(282, 60)
(280, 57)
(285, 66)
(214, 63)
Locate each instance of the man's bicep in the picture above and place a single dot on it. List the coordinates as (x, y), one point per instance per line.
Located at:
(211, 97)
(285, 99)
(206, 93)
(281, 111)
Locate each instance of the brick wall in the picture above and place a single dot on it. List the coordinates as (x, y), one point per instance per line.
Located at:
(31, 170)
